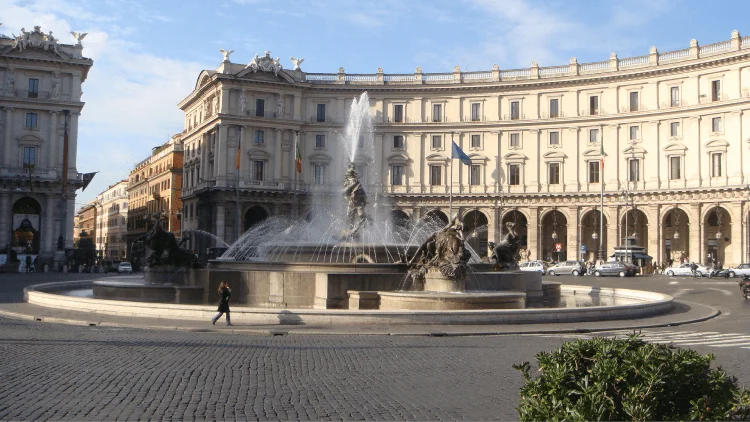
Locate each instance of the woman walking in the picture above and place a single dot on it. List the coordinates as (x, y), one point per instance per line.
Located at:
(224, 294)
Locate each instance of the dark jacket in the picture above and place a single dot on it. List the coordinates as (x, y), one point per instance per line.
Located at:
(226, 293)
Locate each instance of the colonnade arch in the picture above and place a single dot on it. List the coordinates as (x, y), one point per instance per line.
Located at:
(592, 221)
(676, 234)
(554, 232)
(717, 237)
(475, 231)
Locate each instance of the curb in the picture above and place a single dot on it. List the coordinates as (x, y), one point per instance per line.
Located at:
(282, 330)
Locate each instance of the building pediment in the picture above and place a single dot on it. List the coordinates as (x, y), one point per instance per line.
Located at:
(478, 158)
(320, 157)
(258, 154)
(555, 155)
(437, 157)
(675, 147)
(265, 68)
(592, 153)
(717, 144)
(203, 78)
(515, 156)
(398, 158)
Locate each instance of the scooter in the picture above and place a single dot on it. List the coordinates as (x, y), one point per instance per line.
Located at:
(745, 286)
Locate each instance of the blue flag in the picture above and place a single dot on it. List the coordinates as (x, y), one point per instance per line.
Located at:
(458, 153)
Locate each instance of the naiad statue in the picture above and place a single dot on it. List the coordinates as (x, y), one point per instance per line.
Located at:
(164, 247)
(505, 254)
(443, 251)
(356, 201)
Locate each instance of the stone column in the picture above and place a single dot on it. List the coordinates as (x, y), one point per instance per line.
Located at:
(654, 231)
(203, 173)
(531, 173)
(532, 236)
(695, 231)
(69, 217)
(7, 153)
(220, 224)
(52, 142)
(574, 249)
(613, 226)
(297, 106)
(735, 238)
(4, 219)
(220, 157)
(49, 228)
(73, 146)
(277, 155)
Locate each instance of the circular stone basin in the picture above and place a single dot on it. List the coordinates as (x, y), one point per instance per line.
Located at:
(449, 301)
(141, 291)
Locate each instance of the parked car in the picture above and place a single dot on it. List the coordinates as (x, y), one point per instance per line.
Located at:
(567, 267)
(125, 267)
(538, 266)
(742, 270)
(614, 268)
(684, 269)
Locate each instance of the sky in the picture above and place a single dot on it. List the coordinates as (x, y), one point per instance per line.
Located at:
(148, 54)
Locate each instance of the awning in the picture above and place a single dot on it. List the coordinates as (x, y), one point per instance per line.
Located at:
(641, 256)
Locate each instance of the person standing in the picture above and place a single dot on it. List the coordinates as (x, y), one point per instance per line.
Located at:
(224, 294)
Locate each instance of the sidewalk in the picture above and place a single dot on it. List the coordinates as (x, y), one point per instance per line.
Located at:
(683, 313)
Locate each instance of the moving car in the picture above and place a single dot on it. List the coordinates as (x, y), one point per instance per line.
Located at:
(741, 270)
(567, 267)
(684, 269)
(614, 268)
(538, 266)
(125, 267)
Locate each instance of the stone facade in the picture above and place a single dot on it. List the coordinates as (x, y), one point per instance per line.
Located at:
(670, 128)
(155, 185)
(111, 221)
(40, 91)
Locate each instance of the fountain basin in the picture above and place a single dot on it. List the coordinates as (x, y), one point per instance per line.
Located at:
(141, 291)
(640, 304)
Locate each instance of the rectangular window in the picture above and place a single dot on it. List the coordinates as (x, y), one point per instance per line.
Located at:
(634, 106)
(319, 174)
(260, 107)
(29, 157)
(634, 170)
(675, 172)
(31, 120)
(674, 129)
(437, 112)
(259, 136)
(474, 173)
(554, 108)
(633, 132)
(716, 124)
(436, 173)
(594, 105)
(594, 167)
(398, 113)
(515, 110)
(475, 112)
(398, 142)
(33, 88)
(554, 173)
(321, 117)
(397, 175)
(258, 167)
(715, 90)
(716, 164)
(320, 141)
(515, 140)
(437, 141)
(514, 174)
(476, 141)
(674, 96)
(554, 138)
(593, 135)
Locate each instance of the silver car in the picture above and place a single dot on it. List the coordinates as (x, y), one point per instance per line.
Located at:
(566, 267)
(742, 270)
(685, 269)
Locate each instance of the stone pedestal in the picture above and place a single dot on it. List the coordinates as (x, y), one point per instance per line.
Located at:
(436, 282)
(167, 274)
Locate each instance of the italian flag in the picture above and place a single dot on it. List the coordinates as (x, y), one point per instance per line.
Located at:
(298, 158)
(239, 155)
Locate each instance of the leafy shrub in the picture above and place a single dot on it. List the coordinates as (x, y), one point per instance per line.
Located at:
(628, 379)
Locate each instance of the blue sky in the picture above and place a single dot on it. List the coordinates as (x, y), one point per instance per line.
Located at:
(147, 54)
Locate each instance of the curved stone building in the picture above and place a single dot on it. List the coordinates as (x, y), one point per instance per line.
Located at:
(662, 135)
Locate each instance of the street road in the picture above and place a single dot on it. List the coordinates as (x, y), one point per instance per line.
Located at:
(54, 372)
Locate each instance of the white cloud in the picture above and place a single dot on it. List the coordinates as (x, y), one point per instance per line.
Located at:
(131, 95)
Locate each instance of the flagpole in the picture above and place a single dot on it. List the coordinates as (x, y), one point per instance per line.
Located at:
(237, 189)
(450, 194)
(601, 198)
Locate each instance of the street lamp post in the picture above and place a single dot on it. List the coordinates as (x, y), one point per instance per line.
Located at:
(719, 234)
(554, 233)
(627, 197)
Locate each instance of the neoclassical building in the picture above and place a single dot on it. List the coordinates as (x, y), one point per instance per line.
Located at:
(111, 221)
(662, 135)
(40, 93)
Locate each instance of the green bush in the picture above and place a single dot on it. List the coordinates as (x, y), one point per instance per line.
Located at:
(628, 379)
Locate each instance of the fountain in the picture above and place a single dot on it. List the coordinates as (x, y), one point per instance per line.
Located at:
(347, 259)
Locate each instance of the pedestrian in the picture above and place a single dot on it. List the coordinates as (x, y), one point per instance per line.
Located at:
(224, 294)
